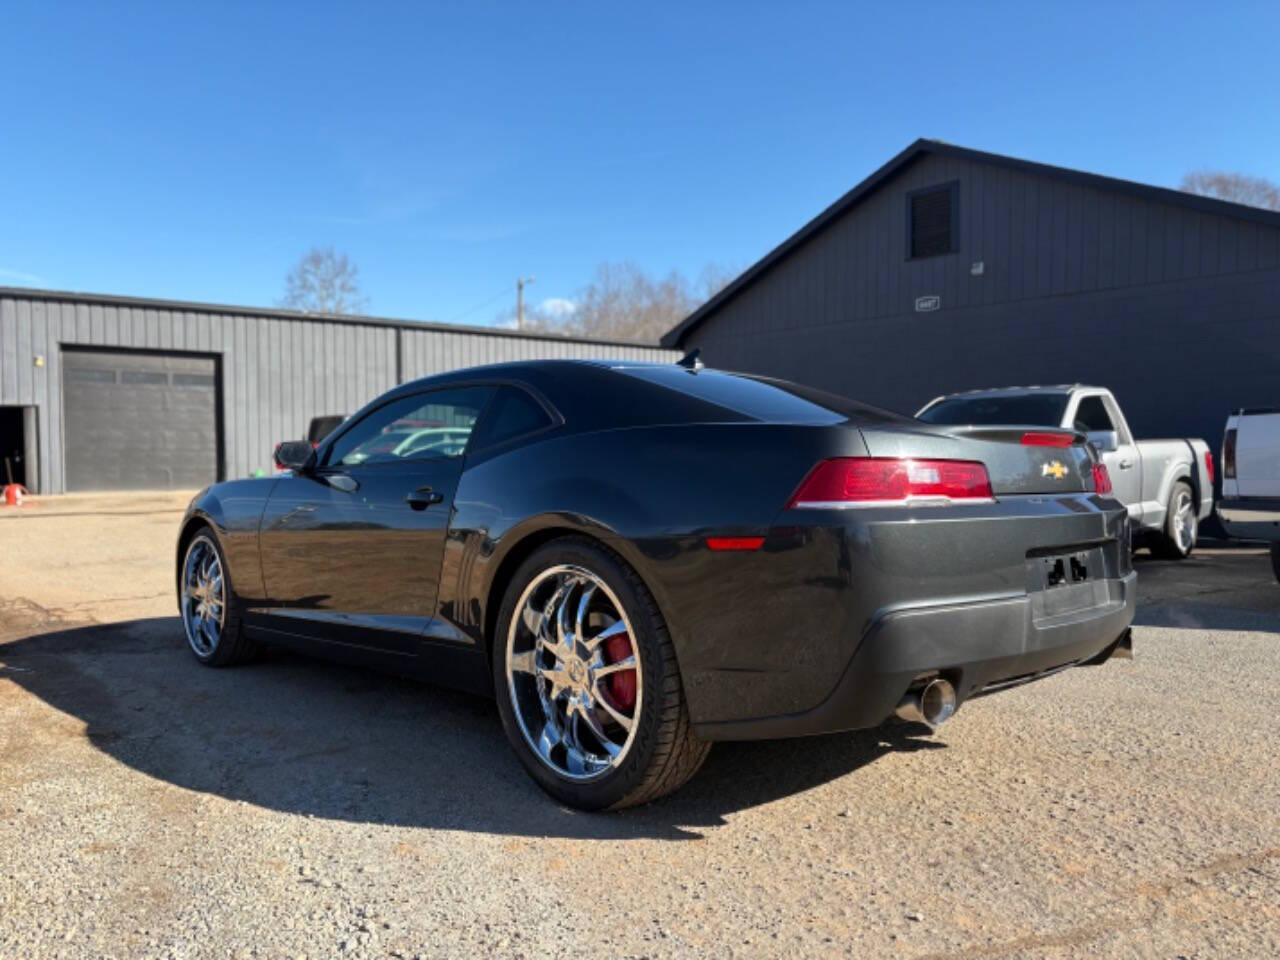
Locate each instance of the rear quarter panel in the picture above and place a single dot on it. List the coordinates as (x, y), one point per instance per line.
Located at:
(652, 493)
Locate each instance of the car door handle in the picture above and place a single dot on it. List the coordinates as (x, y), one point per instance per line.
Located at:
(422, 498)
(1125, 464)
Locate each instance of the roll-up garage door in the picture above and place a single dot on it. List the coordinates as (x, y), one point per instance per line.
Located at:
(139, 421)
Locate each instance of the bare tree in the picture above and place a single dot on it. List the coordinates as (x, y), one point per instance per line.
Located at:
(324, 281)
(1236, 187)
(714, 278)
(624, 302)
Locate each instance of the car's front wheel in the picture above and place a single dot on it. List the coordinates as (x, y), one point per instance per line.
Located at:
(587, 682)
(210, 616)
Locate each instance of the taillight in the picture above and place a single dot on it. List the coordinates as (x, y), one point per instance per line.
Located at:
(1101, 478)
(1229, 455)
(866, 481)
(1047, 439)
(1208, 466)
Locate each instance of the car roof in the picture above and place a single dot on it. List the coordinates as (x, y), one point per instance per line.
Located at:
(514, 368)
(591, 392)
(1019, 391)
(603, 392)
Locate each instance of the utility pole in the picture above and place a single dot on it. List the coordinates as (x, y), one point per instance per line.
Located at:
(520, 282)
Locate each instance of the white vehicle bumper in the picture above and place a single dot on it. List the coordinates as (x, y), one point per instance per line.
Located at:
(1251, 519)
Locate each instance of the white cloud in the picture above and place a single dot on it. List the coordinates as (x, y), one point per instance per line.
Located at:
(506, 323)
(17, 276)
(558, 307)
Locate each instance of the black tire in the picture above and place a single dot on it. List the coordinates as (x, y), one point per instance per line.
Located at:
(664, 753)
(1174, 543)
(232, 647)
(1275, 559)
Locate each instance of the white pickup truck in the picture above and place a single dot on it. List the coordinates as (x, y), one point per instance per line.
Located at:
(1166, 484)
(1250, 504)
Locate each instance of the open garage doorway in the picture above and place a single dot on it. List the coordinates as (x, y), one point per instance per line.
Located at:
(18, 446)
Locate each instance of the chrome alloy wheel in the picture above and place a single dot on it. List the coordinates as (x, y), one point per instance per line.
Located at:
(203, 597)
(573, 673)
(1184, 520)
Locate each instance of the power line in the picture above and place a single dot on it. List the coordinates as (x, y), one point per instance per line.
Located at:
(480, 306)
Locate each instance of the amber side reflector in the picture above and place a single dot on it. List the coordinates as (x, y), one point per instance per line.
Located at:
(735, 543)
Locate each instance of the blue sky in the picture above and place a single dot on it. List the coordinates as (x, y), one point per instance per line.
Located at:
(196, 151)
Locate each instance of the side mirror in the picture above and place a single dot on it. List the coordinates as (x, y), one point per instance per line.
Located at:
(1104, 441)
(296, 455)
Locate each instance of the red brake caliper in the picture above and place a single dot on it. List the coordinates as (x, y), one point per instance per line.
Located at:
(622, 685)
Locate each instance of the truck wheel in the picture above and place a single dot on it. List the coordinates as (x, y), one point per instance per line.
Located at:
(1181, 525)
(1275, 559)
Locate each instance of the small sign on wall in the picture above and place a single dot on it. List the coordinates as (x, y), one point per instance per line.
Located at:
(926, 304)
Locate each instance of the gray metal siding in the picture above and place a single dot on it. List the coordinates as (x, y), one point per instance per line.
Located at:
(1176, 309)
(277, 371)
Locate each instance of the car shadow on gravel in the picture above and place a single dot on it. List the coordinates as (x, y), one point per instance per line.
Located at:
(316, 739)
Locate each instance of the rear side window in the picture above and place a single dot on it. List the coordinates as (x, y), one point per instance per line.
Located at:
(1092, 415)
(513, 413)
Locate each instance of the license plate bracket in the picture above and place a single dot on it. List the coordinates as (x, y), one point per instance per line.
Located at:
(1064, 582)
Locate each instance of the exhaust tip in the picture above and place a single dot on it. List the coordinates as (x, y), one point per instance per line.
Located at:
(933, 704)
(937, 702)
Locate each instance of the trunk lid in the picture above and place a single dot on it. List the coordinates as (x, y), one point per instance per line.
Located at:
(1013, 466)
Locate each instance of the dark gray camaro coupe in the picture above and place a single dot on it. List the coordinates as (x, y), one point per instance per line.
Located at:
(637, 560)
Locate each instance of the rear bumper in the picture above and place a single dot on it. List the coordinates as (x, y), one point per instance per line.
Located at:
(979, 646)
(1255, 518)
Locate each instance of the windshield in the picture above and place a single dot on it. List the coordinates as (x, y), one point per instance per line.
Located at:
(1028, 409)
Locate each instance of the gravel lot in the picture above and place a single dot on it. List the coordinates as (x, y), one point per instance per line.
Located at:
(153, 808)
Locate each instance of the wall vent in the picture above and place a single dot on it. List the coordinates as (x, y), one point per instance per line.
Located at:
(931, 216)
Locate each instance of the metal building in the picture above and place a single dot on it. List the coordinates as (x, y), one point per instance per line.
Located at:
(116, 393)
(950, 269)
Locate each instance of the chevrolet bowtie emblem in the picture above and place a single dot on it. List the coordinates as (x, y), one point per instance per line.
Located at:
(1053, 469)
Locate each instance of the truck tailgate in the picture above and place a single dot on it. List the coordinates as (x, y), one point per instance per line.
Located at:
(1258, 455)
